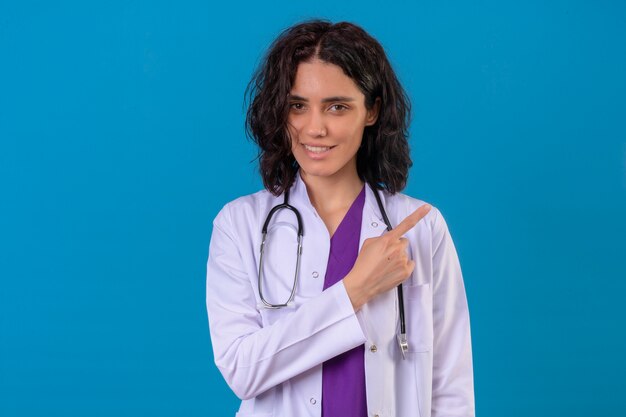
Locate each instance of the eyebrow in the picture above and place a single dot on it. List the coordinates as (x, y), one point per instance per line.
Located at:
(324, 100)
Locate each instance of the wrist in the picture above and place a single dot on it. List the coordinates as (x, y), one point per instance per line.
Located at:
(356, 294)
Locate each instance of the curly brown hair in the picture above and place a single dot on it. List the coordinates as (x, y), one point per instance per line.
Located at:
(383, 160)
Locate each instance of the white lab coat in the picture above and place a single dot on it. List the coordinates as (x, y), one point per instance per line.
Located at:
(272, 359)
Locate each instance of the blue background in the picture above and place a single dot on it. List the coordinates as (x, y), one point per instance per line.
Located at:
(121, 136)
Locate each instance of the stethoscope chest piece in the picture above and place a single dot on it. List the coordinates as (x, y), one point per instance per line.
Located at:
(404, 344)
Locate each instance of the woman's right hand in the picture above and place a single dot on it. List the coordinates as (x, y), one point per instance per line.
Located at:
(383, 262)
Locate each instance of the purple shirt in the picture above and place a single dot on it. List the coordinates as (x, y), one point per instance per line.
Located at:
(343, 377)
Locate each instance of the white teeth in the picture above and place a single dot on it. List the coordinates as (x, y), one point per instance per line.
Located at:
(316, 149)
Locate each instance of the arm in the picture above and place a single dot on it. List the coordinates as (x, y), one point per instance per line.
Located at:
(253, 358)
(453, 383)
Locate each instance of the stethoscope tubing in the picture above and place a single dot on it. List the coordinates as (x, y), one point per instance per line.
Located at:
(399, 287)
(402, 339)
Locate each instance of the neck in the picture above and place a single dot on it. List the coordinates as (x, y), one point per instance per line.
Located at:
(329, 194)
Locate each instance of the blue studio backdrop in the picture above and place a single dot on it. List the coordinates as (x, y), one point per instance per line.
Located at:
(121, 137)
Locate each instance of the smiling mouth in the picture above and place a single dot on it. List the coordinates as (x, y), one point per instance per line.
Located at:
(317, 149)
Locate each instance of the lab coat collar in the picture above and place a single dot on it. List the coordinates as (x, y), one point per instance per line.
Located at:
(372, 224)
(371, 212)
(299, 192)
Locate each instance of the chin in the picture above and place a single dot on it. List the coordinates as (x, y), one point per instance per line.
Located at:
(318, 172)
(322, 169)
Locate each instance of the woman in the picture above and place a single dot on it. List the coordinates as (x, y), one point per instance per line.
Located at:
(330, 119)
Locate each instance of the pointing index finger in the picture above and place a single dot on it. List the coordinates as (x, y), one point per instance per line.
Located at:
(410, 221)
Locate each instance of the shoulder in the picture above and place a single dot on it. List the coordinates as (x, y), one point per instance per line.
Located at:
(244, 208)
(433, 224)
(403, 205)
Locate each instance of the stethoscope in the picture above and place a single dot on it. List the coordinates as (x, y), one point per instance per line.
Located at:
(402, 340)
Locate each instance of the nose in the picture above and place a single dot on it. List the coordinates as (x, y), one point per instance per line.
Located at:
(316, 126)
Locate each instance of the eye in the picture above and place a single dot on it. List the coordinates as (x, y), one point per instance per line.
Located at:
(296, 106)
(338, 108)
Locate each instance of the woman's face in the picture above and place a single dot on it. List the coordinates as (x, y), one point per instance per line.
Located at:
(327, 116)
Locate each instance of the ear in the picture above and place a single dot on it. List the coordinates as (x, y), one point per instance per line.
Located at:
(372, 114)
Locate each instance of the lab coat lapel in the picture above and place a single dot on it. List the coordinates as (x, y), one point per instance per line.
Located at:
(379, 317)
(372, 224)
(379, 312)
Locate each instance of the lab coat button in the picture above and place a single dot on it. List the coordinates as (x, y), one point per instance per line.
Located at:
(374, 224)
(373, 349)
(313, 401)
(315, 274)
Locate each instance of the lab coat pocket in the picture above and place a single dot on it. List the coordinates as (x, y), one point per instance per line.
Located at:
(419, 318)
(254, 415)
